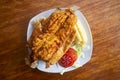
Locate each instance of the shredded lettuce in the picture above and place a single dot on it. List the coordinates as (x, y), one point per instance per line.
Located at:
(76, 65)
(79, 51)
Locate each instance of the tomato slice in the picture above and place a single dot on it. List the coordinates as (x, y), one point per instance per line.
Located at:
(68, 58)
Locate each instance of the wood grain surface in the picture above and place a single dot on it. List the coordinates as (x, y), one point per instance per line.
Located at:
(103, 17)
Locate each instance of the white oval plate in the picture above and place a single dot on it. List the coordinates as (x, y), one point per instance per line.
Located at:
(56, 68)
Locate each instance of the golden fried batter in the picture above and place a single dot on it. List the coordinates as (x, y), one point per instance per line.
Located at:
(57, 36)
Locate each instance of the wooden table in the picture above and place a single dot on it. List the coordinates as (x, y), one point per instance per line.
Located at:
(103, 17)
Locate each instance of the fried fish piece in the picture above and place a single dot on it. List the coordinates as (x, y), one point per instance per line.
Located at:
(57, 36)
(66, 36)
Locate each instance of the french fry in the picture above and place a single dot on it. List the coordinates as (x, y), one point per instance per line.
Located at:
(80, 34)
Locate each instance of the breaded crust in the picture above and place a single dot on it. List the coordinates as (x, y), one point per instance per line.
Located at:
(56, 36)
